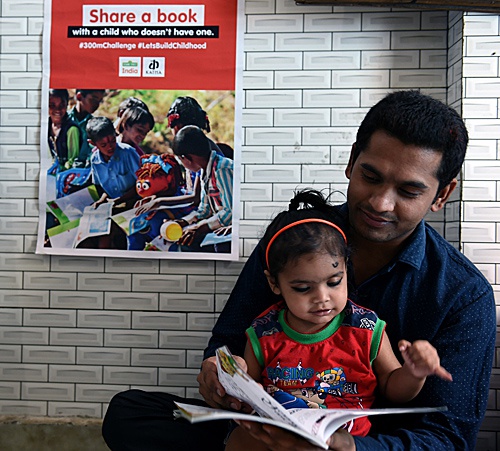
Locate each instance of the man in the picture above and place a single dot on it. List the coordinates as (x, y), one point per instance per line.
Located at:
(408, 151)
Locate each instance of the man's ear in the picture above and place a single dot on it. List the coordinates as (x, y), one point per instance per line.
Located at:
(273, 284)
(348, 169)
(443, 196)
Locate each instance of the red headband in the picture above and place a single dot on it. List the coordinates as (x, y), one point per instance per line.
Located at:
(302, 221)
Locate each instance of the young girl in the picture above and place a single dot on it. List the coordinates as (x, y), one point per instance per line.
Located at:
(316, 348)
(133, 126)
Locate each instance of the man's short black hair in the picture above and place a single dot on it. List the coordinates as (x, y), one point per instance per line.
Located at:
(419, 120)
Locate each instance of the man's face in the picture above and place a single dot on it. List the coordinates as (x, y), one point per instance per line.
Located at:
(91, 101)
(392, 186)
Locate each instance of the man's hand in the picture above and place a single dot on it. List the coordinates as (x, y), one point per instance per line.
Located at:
(212, 390)
(277, 439)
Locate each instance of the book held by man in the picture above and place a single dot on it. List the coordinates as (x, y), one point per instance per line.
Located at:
(315, 425)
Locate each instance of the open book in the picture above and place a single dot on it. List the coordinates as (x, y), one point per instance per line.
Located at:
(315, 425)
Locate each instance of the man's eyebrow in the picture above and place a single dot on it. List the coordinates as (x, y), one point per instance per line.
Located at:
(413, 183)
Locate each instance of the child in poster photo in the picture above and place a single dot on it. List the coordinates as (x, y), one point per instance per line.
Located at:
(133, 126)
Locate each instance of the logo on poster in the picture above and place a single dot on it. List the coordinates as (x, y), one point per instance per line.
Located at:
(153, 67)
(129, 66)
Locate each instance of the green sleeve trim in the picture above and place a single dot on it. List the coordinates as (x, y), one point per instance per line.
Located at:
(254, 342)
(378, 332)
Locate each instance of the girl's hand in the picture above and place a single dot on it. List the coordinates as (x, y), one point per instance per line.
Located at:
(422, 359)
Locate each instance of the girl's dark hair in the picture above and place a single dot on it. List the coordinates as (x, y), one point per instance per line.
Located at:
(130, 102)
(60, 93)
(135, 115)
(187, 111)
(304, 238)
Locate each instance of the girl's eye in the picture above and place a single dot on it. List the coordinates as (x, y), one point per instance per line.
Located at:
(335, 283)
(300, 289)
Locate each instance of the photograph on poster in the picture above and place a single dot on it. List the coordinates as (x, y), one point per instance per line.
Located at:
(129, 168)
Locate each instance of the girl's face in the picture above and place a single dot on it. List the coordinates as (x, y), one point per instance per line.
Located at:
(135, 134)
(57, 109)
(314, 288)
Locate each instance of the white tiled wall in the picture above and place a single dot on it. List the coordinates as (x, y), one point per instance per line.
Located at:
(74, 331)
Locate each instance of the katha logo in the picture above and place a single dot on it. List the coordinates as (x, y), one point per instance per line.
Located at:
(153, 65)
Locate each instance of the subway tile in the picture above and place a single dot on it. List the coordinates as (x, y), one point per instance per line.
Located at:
(101, 318)
(24, 298)
(225, 284)
(192, 392)
(178, 377)
(257, 118)
(407, 20)
(13, 63)
(48, 391)
(21, 44)
(13, 152)
(302, 117)
(225, 268)
(14, 26)
(419, 40)
(130, 375)
(476, 232)
(11, 135)
(303, 42)
(259, 6)
(331, 98)
(29, 8)
(318, 136)
(12, 171)
(75, 263)
(194, 359)
(18, 225)
(479, 109)
(332, 60)
(274, 23)
(131, 338)
(482, 87)
(361, 41)
(258, 80)
(49, 354)
(283, 192)
(34, 98)
(183, 339)
(258, 42)
(290, 6)
(272, 173)
(25, 262)
(274, 60)
(130, 301)
(75, 299)
(435, 20)
(389, 59)
(24, 335)
(481, 25)
(323, 173)
(10, 353)
(20, 80)
(481, 45)
(191, 302)
(255, 191)
(200, 321)
(480, 66)
(250, 229)
(10, 280)
(488, 271)
(132, 265)
(102, 356)
(108, 282)
(33, 135)
(97, 393)
(184, 267)
(35, 26)
(481, 169)
(433, 59)
(332, 22)
(421, 78)
(49, 318)
(256, 154)
(476, 190)
(483, 149)
(158, 321)
(350, 117)
(10, 390)
(75, 374)
(11, 317)
(302, 79)
(74, 409)
(164, 283)
(360, 78)
(10, 99)
(76, 337)
(19, 407)
(19, 117)
(482, 252)
(271, 136)
(481, 211)
(263, 210)
(49, 280)
(273, 98)
(161, 358)
(23, 372)
(200, 284)
(302, 155)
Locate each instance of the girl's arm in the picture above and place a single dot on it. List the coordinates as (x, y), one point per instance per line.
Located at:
(402, 383)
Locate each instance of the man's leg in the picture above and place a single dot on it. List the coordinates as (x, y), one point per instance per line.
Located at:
(137, 420)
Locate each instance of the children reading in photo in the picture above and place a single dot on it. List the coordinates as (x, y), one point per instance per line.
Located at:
(114, 164)
(315, 348)
(64, 135)
(192, 147)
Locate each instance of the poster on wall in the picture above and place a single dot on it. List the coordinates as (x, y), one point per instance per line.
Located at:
(140, 133)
